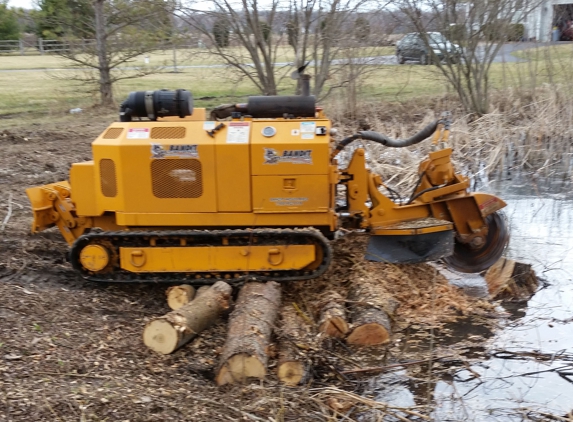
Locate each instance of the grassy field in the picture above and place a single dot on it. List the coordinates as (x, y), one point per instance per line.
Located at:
(44, 83)
(27, 87)
(183, 57)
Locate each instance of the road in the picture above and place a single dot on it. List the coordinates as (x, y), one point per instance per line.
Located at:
(504, 55)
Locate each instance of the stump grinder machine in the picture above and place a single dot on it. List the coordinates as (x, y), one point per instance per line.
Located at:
(172, 196)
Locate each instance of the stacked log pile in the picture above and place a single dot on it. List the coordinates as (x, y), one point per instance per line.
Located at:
(254, 319)
(288, 327)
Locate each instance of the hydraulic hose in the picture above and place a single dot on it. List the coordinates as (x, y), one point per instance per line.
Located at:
(386, 141)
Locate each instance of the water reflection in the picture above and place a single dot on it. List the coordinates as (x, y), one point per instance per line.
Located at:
(516, 386)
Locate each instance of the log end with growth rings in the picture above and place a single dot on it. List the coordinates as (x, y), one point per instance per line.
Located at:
(368, 335)
(334, 327)
(160, 336)
(178, 296)
(239, 368)
(291, 373)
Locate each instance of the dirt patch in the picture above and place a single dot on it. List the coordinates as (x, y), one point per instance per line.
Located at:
(72, 350)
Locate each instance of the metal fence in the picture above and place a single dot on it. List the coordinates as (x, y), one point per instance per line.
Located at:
(40, 46)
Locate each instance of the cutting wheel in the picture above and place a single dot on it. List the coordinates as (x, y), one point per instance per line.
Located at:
(468, 259)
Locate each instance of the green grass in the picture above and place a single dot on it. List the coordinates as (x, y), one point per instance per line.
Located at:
(53, 92)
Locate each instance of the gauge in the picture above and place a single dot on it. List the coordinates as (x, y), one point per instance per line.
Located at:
(269, 131)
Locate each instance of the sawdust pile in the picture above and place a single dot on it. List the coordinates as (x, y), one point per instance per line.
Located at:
(425, 296)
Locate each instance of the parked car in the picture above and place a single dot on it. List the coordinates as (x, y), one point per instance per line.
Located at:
(426, 48)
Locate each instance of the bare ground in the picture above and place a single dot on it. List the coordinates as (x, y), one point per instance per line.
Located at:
(72, 350)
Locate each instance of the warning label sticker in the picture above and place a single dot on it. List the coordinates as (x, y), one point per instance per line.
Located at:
(138, 133)
(210, 125)
(238, 132)
(307, 127)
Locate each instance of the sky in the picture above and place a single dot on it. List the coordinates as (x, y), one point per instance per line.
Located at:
(26, 4)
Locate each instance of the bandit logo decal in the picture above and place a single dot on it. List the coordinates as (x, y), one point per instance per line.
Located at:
(294, 156)
(174, 151)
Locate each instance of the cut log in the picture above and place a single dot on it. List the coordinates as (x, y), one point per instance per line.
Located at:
(292, 367)
(372, 312)
(511, 280)
(332, 321)
(250, 327)
(201, 290)
(167, 333)
(177, 296)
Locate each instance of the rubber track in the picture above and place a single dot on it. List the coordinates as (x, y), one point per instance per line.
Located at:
(166, 238)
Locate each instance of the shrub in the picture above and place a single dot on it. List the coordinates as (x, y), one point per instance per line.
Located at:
(221, 33)
(516, 32)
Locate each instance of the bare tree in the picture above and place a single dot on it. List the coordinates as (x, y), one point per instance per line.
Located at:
(249, 24)
(478, 31)
(124, 30)
(326, 35)
(320, 31)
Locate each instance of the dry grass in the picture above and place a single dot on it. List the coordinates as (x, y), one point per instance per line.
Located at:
(527, 131)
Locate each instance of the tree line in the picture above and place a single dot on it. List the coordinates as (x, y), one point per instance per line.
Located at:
(332, 40)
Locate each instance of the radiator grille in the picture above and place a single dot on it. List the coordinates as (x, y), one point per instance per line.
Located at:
(113, 133)
(168, 133)
(177, 178)
(107, 178)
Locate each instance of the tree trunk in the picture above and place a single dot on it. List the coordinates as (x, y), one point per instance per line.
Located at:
(167, 333)
(292, 367)
(332, 320)
(250, 328)
(105, 83)
(178, 296)
(372, 313)
(508, 279)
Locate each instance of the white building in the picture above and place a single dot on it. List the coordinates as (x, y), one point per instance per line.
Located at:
(539, 24)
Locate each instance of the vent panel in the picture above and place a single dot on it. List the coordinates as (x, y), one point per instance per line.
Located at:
(168, 132)
(177, 178)
(113, 133)
(108, 178)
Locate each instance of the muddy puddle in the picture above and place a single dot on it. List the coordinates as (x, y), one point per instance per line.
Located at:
(524, 371)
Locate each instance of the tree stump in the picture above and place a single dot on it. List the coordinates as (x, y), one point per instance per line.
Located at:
(250, 327)
(292, 368)
(167, 333)
(511, 280)
(177, 296)
(332, 321)
(372, 312)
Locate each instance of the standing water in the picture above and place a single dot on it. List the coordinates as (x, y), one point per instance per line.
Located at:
(526, 367)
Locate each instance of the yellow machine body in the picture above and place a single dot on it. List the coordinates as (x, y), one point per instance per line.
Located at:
(175, 174)
(202, 200)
